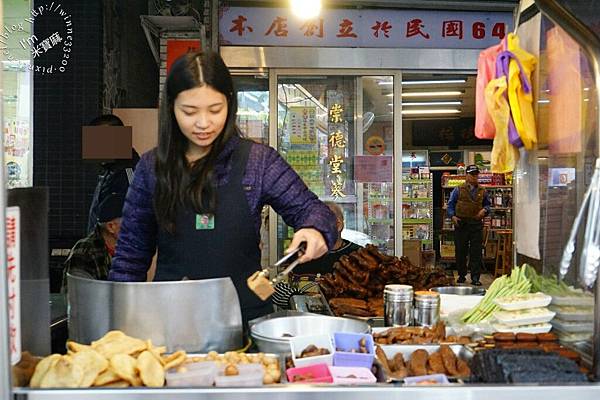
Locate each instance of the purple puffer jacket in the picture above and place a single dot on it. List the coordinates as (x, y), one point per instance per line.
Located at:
(268, 179)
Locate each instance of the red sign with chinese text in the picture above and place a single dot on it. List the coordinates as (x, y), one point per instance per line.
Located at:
(178, 47)
(256, 26)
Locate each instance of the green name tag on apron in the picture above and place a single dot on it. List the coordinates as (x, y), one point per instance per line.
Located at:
(205, 221)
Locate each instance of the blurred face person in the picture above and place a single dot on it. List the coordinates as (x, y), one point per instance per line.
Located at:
(201, 114)
(113, 227)
(472, 179)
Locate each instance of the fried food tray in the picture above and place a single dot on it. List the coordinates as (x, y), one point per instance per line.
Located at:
(390, 350)
(279, 357)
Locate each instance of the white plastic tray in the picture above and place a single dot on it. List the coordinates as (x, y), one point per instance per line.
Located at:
(539, 328)
(573, 301)
(542, 300)
(579, 314)
(299, 343)
(572, 337)
(573, 327)
(510, 318)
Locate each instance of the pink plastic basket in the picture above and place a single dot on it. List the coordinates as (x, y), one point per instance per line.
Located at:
(318, 373)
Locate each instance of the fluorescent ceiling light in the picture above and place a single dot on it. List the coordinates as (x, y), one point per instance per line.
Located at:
(447, 93)
(434, 82)
(426, 82)
(306, 9)
(431, 111)
(545, 101)
(431, 103)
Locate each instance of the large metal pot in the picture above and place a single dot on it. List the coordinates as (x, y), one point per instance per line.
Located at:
(459, 290)
(268, 332)
(196, 316)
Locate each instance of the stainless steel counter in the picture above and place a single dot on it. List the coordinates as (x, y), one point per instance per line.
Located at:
(315, 392)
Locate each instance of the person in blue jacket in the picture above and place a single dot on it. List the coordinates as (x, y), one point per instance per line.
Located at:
(467, 206)
(197, 197)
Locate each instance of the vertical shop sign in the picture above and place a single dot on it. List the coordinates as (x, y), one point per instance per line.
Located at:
(303, 125)
(178, 47)
(337, 142)
(13, 265)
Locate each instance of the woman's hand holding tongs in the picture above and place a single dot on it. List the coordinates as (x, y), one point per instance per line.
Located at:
(315, 244)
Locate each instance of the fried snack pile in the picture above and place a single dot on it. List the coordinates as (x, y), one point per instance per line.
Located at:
(313, 351)
(418, 335)
(443, 361)
(272, 372)
(356, 285)
(23, 370)
(115, 360)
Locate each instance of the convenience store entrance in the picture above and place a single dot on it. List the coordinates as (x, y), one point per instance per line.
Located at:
(338, 130)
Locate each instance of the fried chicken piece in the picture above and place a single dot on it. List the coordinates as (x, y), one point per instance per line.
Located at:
(439, 331)
(464, 340)
(435, 363)
(345, 309)
(380, 354)
(400, 369)
(449, 359)
(462, 368)
(417, 365)
(397, 362)
(349, 301)
(399, 336)
(422, 340)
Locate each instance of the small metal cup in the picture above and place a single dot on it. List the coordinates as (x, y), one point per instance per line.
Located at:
(398, 305)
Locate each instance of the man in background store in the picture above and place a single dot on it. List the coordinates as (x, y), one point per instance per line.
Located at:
(116, 175)
(91, 256)
(467, 206)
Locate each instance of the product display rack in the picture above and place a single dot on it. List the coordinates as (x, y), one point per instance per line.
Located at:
(379, 219)
(417, 210)
(498, 222)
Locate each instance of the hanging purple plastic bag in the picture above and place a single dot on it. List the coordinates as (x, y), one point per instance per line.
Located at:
(502, 68)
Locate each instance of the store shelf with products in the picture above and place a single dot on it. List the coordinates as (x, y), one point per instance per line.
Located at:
(417, 209)
(496, 225)
(16, 128)
(379, 215)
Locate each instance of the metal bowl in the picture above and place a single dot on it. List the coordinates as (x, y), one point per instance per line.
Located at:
(459, 290)
(268, 333)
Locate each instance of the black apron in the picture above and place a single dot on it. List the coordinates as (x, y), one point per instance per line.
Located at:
(230, 249)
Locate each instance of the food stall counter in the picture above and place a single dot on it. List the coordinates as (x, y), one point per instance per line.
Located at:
(310, 392)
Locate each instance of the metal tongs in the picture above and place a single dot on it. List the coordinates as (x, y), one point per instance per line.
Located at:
(259, 282)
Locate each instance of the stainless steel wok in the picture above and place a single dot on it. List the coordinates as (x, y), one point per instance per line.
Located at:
(196, 316)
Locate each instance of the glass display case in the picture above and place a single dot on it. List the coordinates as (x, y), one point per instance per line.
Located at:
(16, 124)
(337, 132)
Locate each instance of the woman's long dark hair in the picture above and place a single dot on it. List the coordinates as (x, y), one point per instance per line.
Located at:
(179, 184)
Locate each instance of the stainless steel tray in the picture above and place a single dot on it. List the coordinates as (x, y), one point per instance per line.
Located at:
(391, 350)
